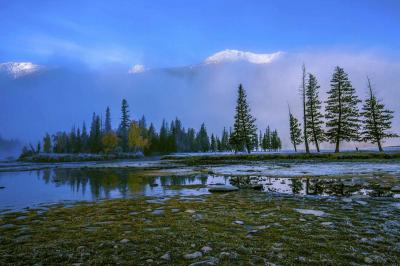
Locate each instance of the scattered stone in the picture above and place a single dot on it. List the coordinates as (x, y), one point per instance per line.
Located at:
(206, 249)
(198, 216)
(133, 213)
(347, 200)
(238, 222)
(124, 241)
(312, 212)
(395, 188)
(193, 255)
(190, 211)
(327, 223)
(21, 218)
(222, 188)
(368, 260)
(210, 261)
(157, 212)
(175, 210)
(166, 256)
(361, 202)
(7, 226)
(228, 255)
(149, 261)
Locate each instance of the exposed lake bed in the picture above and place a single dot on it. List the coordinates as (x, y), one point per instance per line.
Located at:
(145, 213)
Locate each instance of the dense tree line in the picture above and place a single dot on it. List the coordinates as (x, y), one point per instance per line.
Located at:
(343, 119)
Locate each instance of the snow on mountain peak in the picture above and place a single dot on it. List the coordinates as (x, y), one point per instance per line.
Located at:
(19, 69)
(235, 55)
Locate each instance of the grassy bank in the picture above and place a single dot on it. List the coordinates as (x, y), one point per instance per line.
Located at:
(237, 158)
(239, 228)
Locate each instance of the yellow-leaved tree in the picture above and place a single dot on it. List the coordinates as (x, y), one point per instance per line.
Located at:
(135, 140)
(110, 141)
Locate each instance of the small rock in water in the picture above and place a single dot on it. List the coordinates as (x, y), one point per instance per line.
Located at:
(238, 222)
(166, 256)
(361, 202)
(222, 188)
(124, 241)
(312, 212)
(193, 255)
(348, 200)
(206, 249)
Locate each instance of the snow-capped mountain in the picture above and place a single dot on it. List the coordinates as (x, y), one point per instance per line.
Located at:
(19, 69)
(236, 55)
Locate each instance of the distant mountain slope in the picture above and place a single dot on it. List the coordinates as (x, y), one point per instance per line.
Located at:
(57, 98)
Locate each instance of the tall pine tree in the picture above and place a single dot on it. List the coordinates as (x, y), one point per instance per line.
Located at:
(295, 131)
(244, 128)
(341, 111)
(124, 125)
(107, 123)
(313, 112)
(303, 94)
(377, 120)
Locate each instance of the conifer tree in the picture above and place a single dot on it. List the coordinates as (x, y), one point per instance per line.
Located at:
(84, 138)
(107, 123)
(202, 139)
(213, 144)
(303, 94)
(244, 129)
(124, 125)
(313, 113)
(47, 143)
(267, 139)
(377, 120)
(295, 131)
(225, 140)
(341, 111)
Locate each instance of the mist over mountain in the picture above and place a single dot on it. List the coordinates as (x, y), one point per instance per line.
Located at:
(51, 98)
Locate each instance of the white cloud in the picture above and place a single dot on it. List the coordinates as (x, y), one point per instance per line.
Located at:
(138, 68)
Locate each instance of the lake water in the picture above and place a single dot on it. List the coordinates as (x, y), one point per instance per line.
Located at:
(33, 188)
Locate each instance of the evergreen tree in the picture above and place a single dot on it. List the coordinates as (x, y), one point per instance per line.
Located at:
(225, 140)
(202, 139)
(191, 136)
(303, 94)
(244, 132)
(260, 141)
(377, 120)
(84, 139)
(107, 123)
(124, 125)
(153, 139)
(276, 143)
(341, 111)
(78, 141)
(163, 137)
(295, 131)
(313, 113)
(213, 144)
(266, 143)
(95, 134)
(47, 143)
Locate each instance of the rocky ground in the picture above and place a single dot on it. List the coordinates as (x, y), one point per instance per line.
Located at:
(246, 227)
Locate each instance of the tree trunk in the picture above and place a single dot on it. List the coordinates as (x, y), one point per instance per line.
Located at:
(317, 145)
(337, 146)
(380, 145)
(295, 148)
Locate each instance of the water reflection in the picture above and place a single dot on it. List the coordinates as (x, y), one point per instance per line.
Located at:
(321, 186)
(24, 189)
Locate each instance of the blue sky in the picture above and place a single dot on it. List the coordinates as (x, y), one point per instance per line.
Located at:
(171, 33)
